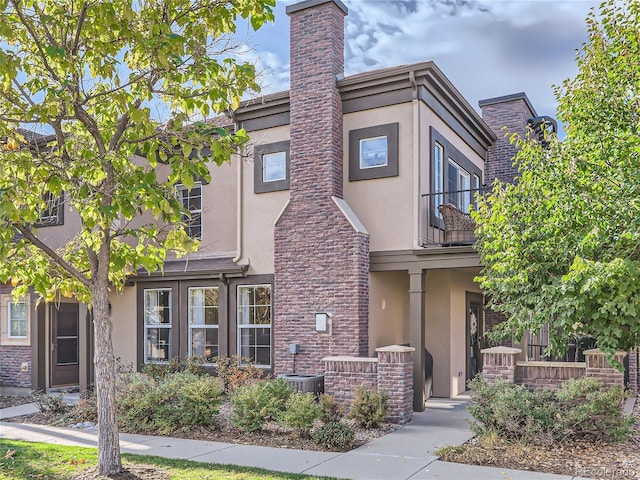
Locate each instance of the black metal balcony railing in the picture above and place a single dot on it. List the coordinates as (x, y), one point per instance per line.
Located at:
(446, 220)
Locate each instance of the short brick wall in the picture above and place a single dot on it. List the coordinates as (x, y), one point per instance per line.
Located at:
(11, 358)
(500, 362)
(549, 375)
(634, 380)
(391, 372)
(598, 367)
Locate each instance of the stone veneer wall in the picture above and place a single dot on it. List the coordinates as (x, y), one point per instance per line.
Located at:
(500, 362)
(634, 378)
(321, 262)
(549, 375)
(391, 372)
(11, 358)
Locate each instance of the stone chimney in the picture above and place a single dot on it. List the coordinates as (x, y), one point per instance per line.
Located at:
(321, 257)
(512, 112)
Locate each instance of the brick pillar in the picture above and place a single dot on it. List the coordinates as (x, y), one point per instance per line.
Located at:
(634, 380)
(512, 112)
(321, 250)
(598, 367)
(499, 363)
(395, 377)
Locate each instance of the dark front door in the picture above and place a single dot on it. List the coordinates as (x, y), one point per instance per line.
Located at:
(64, 344)
(475, 331)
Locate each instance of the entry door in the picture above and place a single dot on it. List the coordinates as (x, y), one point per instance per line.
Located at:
(475, 331)
(64, 345)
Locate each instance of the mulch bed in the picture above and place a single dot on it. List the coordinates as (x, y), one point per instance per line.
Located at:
(13, 401)
(581, 458)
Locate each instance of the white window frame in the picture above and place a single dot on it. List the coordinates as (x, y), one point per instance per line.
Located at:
(243, 326)
(385, 150)
(438, 177)
(202, 326)
(463, 182)
(148, 326)
(11, 319)
(194, 219)
(282, 162)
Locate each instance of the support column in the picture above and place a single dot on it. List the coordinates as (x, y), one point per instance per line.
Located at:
(416, 333)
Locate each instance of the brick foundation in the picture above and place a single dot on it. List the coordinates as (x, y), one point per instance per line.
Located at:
(549, 375)
(11, 358)
(391, 372)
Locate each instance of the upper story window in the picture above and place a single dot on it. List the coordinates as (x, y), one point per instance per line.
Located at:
(191, 201)
(373, 152)
(454, 178)
(52, 212)
(271, 167)
(158, 323)
(17, 319)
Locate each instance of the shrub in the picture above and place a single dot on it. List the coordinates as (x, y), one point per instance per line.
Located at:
(50, 403)
(86, 410)
(368, 408)
(236, 371)
(330, 411)
(334, 435)
(581, 408)
(301, 411)
(593, 411)
(170, 403)
(193, 364)
(253, 405)
(513, 412)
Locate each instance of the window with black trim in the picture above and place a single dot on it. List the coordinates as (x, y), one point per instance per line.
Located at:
(52, 212)
(254, 323)
(373, 152)
(203, 308)
(454, 178)
(191, 200)
(271, 167)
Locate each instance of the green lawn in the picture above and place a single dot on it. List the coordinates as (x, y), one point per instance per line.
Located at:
(41, 461)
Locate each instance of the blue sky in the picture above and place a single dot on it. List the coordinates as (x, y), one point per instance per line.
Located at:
(487, 48)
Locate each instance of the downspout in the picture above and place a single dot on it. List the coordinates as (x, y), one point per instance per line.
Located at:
(417, 199)
(238, 203)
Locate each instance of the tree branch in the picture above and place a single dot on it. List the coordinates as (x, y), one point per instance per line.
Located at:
(28, 234)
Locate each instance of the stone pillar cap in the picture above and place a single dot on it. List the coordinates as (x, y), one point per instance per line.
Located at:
(396, 348)
(501, 350)
(597, 351)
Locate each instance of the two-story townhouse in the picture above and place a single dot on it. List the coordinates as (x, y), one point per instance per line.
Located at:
(330, 234)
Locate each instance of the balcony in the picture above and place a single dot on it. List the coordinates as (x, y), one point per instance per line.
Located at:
(446, 221)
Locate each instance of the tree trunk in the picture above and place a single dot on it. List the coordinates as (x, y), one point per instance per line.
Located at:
(109, 462)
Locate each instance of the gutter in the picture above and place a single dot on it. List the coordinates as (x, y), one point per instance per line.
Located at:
(238, 204)
(416, 161)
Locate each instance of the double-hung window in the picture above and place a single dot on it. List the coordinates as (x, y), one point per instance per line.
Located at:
(191, 200)
(52, 212)
(203, 309)
(17, 319)
(254, 323)
(157, 324)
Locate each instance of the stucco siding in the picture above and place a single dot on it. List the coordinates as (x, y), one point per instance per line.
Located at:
(388, 309)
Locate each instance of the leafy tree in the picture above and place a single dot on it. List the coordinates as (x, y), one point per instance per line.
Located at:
(562, 245)
(93, 72)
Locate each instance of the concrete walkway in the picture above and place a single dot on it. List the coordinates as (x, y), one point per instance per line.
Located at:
(407, 453)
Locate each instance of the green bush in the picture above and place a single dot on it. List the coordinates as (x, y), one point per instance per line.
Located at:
(513, 412)
(334, 435)
(301, 411)
(330, 411)
(52, 403)
(253, 405)
(581, 408)
(193, 364)
(236, 372)
(593, 411)
(174, 402)
(368, 408)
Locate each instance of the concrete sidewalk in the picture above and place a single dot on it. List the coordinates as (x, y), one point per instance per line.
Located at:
(407, 453)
